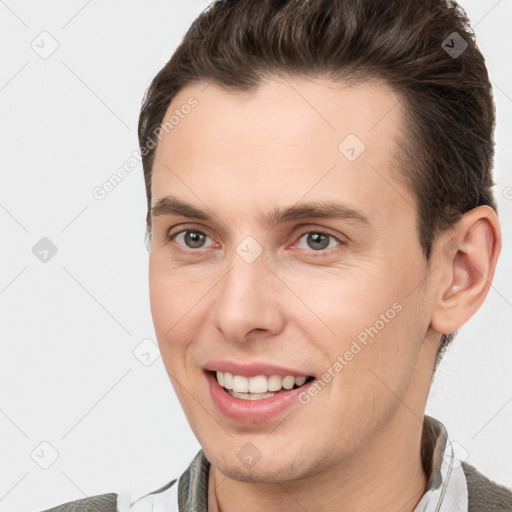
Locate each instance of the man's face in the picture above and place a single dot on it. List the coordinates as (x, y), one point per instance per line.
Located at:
(340, 300)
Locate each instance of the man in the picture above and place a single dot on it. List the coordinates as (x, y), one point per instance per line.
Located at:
(320, 223)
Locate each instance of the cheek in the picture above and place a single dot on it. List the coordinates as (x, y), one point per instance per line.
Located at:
(169, 319)
(169, 308)
(352, 307)
(162, 303)
(179, 307)
(172, 296)
(378, 334)
(367, 380)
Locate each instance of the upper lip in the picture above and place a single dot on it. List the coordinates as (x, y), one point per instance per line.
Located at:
(253, 369)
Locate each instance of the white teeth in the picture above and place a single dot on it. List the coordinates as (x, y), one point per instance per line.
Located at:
(274, 383)
(240, 384)
(288, 382)
(299, 381)
(228, 380)
(250, 396)
(257, 385)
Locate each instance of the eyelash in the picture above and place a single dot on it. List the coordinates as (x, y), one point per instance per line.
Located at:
(197, 252)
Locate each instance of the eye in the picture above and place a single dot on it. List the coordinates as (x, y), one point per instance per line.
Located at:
(190, 239)
(316, 241)
(319, 241)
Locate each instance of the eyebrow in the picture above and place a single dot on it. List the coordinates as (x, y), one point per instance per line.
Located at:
(171, 205)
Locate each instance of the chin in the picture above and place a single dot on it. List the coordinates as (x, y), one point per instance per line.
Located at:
(268, 470)
(270, 474)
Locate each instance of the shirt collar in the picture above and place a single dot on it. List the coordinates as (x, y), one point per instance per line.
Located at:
(446, 489)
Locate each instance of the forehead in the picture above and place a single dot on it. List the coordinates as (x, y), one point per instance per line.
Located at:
(281, 141)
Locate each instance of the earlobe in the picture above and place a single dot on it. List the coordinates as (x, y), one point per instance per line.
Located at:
(467, 258)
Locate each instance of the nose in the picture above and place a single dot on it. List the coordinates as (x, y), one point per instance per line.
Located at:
(247, 301)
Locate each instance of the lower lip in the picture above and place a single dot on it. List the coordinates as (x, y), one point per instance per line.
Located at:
(252, 411)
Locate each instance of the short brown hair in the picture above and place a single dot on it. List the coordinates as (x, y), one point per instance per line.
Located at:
(447, 149)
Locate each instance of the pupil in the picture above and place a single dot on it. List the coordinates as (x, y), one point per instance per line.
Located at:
(316, 239)
(194, 239)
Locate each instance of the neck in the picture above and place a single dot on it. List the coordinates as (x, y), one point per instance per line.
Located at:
(388, 476)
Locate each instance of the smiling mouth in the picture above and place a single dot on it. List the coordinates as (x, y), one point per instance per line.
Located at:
(258, 387)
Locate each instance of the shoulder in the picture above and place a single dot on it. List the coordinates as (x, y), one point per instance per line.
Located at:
(99, 503)
(484, 494)
(164, 498)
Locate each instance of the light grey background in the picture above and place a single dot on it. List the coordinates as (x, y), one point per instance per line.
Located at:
(70, 325)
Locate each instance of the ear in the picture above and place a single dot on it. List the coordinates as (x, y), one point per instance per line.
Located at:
(467, 257)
